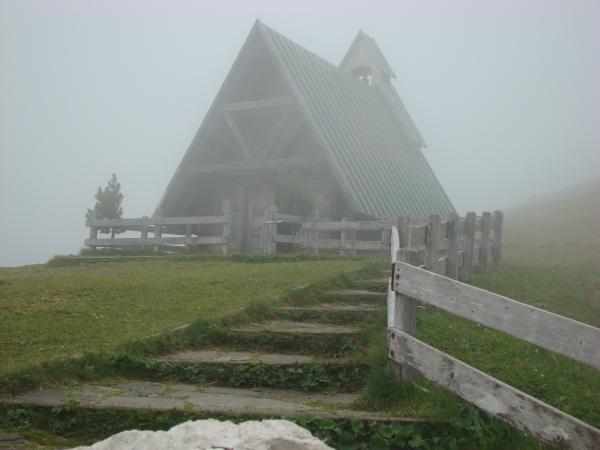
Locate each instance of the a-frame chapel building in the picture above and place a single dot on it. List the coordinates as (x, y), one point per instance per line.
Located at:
(342, 129)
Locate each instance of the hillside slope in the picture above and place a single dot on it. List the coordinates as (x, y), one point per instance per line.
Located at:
(556, 229)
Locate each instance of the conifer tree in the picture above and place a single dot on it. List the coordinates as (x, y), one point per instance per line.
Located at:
(108, 204)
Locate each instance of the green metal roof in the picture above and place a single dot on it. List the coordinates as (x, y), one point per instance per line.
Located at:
(381, 170)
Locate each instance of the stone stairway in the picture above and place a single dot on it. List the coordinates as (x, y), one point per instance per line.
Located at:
(241, 368)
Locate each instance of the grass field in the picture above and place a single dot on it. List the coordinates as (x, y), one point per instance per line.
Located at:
(50, 312)
(559, 229)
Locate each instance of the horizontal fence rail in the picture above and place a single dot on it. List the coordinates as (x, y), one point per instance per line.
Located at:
(521, 410)
(548, 330)
(313, 234)
(217, 233)
(412, 282)
(104, 223)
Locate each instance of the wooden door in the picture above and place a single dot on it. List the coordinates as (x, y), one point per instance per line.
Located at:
(258, 199)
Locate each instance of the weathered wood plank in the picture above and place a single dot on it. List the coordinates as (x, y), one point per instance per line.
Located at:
(405, 308)
(468, 261)
(227, 226)
(239, 137)
(484, 245)
(288, 218)
(418, 236)
(258, 104)
(498, 250)
(452, 255)
(347, 226)
(548, 330)
(106, 223)
(491, 395)
(289, 239)
(138, 242)
(336, 244)
(432, 243)
(271, 230)
(391, 296)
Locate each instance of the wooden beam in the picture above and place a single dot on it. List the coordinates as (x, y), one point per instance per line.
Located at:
(250, 166)
(239, 137)
(336, 244)
(526, 413)
(348, 226)
(138, 242)
(107, 223)
(289, 218)
(273, 102)
(548, 330)
(264, 153)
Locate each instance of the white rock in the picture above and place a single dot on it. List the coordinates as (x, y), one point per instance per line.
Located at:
(214, 434)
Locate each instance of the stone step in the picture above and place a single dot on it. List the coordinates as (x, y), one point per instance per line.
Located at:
(222, 366)
(226, 356)
(342, 313)
(354, 294)
(288, 326)
(334, 307)
(151, 396)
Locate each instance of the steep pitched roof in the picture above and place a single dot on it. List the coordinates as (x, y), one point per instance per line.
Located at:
(373, 148)
(381, 171)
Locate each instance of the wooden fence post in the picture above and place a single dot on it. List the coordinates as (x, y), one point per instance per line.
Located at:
(405, 308)
(157, 231)
(352, 236)
(314, 235)
(432, 244)
(452, 256)
(93, 235)
(272, 230)
(264, 234)
(484, 243)
(144, 232)
(188, 237)
(469, 246)
(226, 226)
(157, 235)
(498, 250)
(343, 236)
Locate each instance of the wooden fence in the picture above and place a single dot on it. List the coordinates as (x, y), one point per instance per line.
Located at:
(444, 246)
(159, 226)
(410, 284)
(312, 234)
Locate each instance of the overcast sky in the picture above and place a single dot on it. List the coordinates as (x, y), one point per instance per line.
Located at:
(505, 93)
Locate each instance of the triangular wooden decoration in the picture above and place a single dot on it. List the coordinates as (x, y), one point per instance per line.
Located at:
(257, 130)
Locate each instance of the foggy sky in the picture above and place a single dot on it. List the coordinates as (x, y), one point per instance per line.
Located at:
(505, 94)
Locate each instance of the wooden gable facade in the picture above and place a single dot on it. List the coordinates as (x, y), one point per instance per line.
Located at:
(269, 119)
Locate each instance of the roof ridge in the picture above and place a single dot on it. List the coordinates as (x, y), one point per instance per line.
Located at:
(273, 31)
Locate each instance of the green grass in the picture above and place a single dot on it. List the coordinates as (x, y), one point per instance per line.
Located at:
(564, 383)
(55, 312)
(559, 229)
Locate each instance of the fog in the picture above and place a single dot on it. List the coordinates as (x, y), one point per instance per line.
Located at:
(504, 93)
